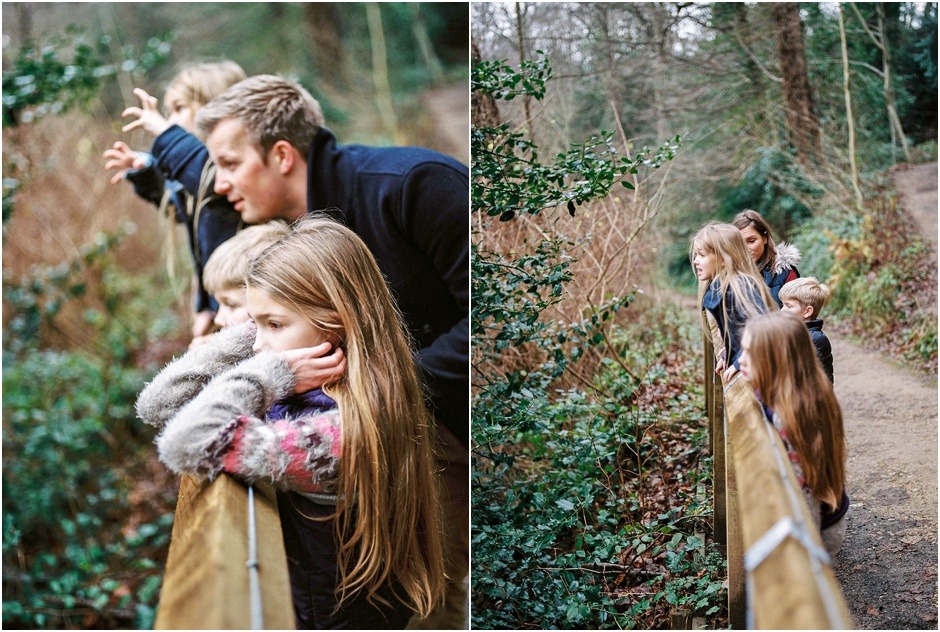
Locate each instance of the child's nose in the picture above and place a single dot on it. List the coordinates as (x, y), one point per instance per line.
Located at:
(221, 185)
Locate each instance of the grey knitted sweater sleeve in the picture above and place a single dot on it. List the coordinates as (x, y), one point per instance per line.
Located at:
(223, 430)
(182, 379)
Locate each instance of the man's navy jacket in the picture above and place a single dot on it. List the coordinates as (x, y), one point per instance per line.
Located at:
(411, 206)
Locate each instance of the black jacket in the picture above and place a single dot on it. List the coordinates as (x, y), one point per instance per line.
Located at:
(822, 344)
(732, 330)
(411, 206)
(311, 546)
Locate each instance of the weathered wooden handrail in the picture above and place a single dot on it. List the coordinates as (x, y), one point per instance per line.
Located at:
(206, 583)
(779, 576)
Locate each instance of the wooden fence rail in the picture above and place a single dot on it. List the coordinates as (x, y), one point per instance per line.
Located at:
(207, 583)
(779, 575)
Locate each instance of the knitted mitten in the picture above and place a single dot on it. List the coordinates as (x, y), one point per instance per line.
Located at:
(182, 379)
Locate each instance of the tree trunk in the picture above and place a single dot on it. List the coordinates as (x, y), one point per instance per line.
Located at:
(520, 43)
(848, 111)
(325, 28)
(802, 120)
(383, 91)
(897, 131)
(751, 69)
(24, 14)
(483, 109)
(880, 39)
(420, 31)
(658, 35)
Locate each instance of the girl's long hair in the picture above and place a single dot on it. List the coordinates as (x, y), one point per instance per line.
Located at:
(748, 218)
(791, 381)
(388, 514)
(735, 271)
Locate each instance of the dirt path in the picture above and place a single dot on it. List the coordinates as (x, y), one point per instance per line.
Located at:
(449, 108)
(888, 564)
(917, 186)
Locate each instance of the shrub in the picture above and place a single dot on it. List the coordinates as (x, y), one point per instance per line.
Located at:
(570, 507)
(880, 273)
(86, 516)
(80, 552)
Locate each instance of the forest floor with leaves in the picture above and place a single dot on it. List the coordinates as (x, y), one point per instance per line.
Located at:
(888, 563)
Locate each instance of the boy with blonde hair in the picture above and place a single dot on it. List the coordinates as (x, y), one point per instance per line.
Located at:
(224, 274)
(806, 297)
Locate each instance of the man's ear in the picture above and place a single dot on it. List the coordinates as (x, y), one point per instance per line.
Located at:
(282, 153)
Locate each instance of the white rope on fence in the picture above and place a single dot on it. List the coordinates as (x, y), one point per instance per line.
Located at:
(254, 584)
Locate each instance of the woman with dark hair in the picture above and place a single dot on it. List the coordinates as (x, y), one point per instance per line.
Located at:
(777, 263)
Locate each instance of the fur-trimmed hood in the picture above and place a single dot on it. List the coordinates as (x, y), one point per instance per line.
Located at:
(788, 257)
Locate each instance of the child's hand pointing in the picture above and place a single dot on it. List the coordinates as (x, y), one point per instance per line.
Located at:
(148, 115)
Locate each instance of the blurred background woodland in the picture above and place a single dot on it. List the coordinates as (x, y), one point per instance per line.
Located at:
(604, 135)
(89, 310)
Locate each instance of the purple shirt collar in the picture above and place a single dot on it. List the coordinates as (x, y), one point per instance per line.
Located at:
(294, 405)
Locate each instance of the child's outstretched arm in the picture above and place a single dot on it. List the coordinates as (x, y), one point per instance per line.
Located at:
(181, 380)
(122, 159)
(138, 168)
(223, 430)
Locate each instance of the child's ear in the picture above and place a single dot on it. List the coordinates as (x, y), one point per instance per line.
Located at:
(808, 312)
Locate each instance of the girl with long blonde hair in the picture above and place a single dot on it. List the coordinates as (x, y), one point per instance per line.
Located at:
(730, 287)
(352, 460)
(779, 360)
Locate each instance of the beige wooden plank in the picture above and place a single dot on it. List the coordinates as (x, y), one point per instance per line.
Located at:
(206, 585)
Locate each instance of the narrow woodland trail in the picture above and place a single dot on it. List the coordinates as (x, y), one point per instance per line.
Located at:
(448, 108)
(888, 563)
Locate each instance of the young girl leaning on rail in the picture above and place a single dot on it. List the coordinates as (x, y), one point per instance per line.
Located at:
(352, 460)
(779, 360)
(730, 287)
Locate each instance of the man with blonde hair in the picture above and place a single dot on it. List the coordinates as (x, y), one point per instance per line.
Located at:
(411, 206)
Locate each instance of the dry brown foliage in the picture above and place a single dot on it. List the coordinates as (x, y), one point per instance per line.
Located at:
(65, 198)
(609, 253)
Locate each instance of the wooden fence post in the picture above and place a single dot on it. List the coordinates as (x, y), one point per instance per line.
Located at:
(716, 421)
(726, 517)
(206, 582)
(737, 598)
